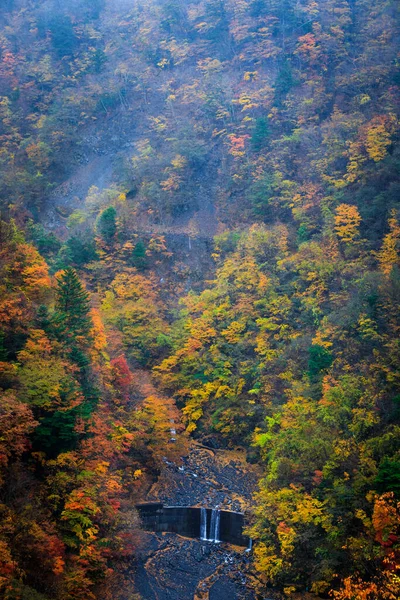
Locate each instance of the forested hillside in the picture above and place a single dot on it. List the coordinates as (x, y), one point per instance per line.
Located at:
(207, 191)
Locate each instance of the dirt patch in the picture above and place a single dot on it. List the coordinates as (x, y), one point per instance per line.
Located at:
(71, 194)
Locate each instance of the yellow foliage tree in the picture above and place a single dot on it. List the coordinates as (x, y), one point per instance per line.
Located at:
(377, 140)
(388, 255)
(347, 222)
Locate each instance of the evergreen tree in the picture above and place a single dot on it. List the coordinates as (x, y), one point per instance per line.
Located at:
(139, 257)
(81, 250)
(261, 134)
(72, 306)
(62, 35)
(3, 349)
(43, 320)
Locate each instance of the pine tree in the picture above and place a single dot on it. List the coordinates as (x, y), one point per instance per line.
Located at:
(261, 134)
(139, 257)
(72, 306)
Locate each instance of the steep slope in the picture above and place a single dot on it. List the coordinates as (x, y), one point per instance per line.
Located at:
(132, 133)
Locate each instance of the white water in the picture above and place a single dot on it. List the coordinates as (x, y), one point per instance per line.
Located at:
(203, 524)
(214, 525)
(250, 546)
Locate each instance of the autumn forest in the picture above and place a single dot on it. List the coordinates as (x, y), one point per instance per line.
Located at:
(200, 252)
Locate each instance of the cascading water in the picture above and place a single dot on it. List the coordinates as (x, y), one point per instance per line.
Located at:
(215, 521)
(207, 524)
(214, 525)
(203, 524)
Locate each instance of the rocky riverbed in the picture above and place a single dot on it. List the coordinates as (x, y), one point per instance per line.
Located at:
(207, 477)
(177, 568)
(171, 567)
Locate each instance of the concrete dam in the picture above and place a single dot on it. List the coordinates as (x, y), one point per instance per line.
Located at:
(207, 524)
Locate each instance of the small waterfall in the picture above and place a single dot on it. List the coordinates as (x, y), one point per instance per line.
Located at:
(217, 522)
(211, 525)
(250, 546)
(203, 524)
(214, 525)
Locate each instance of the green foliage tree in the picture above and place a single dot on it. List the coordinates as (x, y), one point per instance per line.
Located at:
(388, 477)
(261, 134)
(71, 317)
(320, 359)
(47, 243)
(107, 224)
(62, 35)
(81, 250)
(139, 257)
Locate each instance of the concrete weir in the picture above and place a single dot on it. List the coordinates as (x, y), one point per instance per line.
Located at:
(207, 524)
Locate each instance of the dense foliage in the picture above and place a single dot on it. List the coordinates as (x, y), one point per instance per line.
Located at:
(275, 124)
(298, 353)
(70, 448)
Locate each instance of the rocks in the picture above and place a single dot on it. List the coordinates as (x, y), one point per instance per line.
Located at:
(183, 569)
(207, 479)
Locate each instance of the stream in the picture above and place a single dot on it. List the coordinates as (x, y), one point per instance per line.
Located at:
(174, 567)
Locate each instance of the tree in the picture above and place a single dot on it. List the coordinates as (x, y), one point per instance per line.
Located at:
(261, 134)
(107, 224)
(319, 360)
(377, 139)
(62, 35)
(72, 307)
(139, 256)
(81, 250)
(388, 256)
(347, 222)
(16, 424)
(133, 307)
(379, 541)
